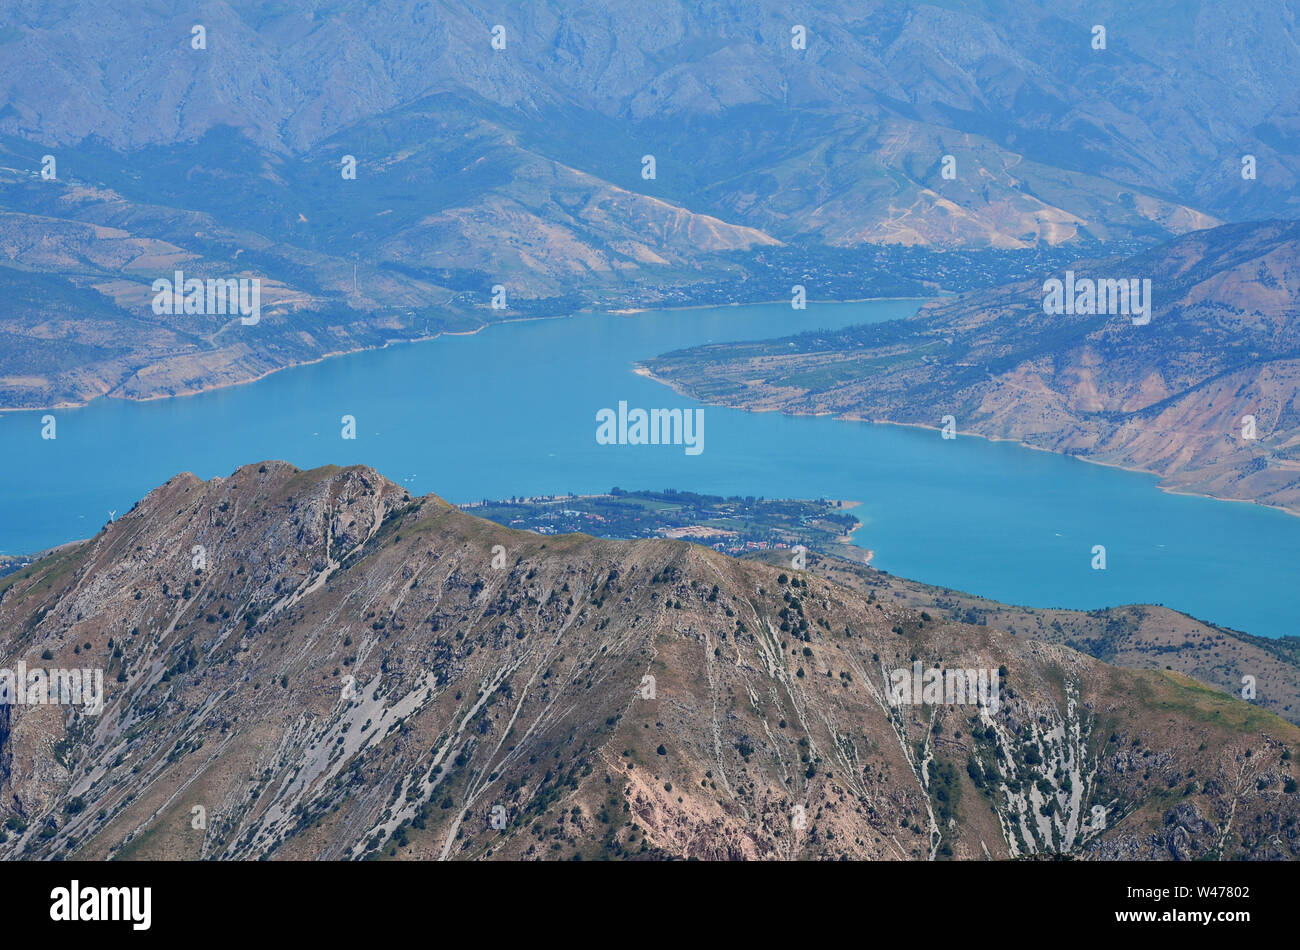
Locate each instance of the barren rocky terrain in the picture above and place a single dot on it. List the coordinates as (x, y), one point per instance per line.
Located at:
(1138, 636)
(349, 672)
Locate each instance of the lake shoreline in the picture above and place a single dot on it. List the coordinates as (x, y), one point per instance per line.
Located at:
(749, 303)
(498, 416)
(216, 387)
(643, 371)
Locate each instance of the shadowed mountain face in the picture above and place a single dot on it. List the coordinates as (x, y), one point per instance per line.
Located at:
(1207, 394)
(315, 664)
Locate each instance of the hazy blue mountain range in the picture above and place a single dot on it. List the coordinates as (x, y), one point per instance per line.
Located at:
(734, 113)
(523, 167)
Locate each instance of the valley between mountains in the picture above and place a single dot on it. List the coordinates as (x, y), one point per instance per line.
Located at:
(351, 672)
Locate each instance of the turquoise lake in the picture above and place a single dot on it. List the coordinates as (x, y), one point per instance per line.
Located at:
(512, 411)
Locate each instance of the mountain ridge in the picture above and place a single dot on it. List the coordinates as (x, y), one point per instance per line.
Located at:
(505, 712)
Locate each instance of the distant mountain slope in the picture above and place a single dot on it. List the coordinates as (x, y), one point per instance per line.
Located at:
(452, 208)
(1170, 397)
(346, 673)
(1045, 126)
(608, 157)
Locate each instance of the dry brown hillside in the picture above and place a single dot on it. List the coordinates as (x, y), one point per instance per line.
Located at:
(1172, 397)
(351, 672)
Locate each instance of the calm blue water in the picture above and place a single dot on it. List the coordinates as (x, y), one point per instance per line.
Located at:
(511, 411)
